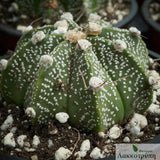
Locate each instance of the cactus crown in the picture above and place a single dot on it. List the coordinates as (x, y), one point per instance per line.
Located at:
(97, 76)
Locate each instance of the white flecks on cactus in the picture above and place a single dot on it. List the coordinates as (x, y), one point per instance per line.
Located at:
(46, 61)
(61, 23)
(74, 35)
(36, 141)
(60, 30)
(9, 140)
(95, 82)
(30, 112)
(94, 28)
(84, 44)
(62, 154)
(135, 31)
(62, 117)
(27, 29)
(3, 64)
(67, 16)
(37, 37)
(115, 132)
(20, 140)
(119, 45)
(7, 123)
(94, 17)
(96, 153)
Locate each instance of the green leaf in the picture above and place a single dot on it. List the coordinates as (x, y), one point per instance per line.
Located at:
(135, 148)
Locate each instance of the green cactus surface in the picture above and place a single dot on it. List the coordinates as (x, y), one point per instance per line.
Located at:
(97, 76)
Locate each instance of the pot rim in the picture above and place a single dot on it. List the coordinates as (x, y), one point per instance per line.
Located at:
(146, 16)
(130, 16)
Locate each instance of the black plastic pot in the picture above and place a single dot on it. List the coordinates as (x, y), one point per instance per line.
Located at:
(10, 36)
(130, 17)
(154, 27)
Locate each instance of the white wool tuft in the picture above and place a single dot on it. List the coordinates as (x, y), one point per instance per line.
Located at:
(62, 154)
(74, 35)
(20, 140)
(3, 64)
(119, 45)
(27, 29)
(115, 132)
(94, 28)
(94, 17)
(135, 31)
(9, 140)
(96, 153)
(62, 117)
(84, 44)
(67, 16)
(7, 123)
(60, 30)
(61, 23)
(30, 112)
(37, 37)
(46, 61)
(95, 82)
(35, 141)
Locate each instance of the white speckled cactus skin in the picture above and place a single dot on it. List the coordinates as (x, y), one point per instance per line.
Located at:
(59, 85)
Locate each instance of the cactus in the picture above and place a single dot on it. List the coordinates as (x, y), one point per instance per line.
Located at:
(98, 76)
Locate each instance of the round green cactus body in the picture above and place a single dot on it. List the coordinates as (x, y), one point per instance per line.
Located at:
(98, 79)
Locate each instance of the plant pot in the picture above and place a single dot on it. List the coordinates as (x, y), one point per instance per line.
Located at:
(154, 27)
(130, 17)
(155, 140)
(10, 36)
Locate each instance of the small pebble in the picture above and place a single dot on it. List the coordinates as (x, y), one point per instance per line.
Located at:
(34, 157)
(157, 128)
(126, 139)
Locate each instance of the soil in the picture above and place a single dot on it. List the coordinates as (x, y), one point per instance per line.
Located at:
(154, 10)
(113, 13)
(63, 135)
